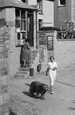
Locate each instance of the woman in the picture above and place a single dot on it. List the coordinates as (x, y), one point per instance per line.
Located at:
(51, 69)
(26, 53)
(21, 55)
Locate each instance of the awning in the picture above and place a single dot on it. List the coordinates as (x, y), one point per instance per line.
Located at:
(16, 4)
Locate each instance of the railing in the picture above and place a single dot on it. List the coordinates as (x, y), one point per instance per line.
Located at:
(66, 35)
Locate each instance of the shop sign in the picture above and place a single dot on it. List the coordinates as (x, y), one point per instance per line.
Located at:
(50, 42)
(42, 39)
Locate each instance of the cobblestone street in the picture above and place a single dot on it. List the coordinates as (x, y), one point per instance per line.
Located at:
(62, 102)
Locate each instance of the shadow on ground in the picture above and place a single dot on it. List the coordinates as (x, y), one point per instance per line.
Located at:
(28, 94)
(27, 84)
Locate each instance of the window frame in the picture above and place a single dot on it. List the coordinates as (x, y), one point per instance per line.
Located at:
(20, 33)
(40, 6)
(61, 5)
(24, 1)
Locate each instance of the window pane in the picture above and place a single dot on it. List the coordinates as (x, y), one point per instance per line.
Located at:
(18, 36)
(17, 23)
(23, 14)
(18, 39)
(23, 35)
(23, 25)
(23, 1)
(17, 14)
(63, 2)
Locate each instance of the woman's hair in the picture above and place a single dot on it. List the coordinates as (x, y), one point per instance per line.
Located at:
(26, 40)
(52, 57)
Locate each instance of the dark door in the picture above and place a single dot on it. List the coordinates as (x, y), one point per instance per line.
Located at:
(30, 29)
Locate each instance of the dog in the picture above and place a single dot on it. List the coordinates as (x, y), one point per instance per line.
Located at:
(37, 88)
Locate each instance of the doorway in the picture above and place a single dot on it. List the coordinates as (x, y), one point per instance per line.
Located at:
(30, 32)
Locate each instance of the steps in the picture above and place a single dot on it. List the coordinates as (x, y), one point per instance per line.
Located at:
(22, 73)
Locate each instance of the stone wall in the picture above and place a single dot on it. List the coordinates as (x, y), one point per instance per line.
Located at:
(4, 66)
(64, 52)
(14, 52)
(44, 53)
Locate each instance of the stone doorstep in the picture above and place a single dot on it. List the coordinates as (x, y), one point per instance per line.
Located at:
(21, 76)
(23, 72)
(23, 69)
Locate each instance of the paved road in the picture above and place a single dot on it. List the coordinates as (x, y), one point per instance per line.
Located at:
(62, 102)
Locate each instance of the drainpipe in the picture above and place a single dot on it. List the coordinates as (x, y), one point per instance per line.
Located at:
(36, 31)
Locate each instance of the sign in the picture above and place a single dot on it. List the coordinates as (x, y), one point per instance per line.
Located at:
(42, 39)
(50, 42)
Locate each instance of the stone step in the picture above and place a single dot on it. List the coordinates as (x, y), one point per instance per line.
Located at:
(23, 69)
(21, 76)
(22, 72)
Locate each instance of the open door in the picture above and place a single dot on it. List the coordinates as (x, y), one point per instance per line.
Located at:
(30, 33)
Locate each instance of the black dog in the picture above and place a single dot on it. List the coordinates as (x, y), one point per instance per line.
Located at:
(38, 88)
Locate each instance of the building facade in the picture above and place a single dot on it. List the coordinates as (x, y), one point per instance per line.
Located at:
(63, 11)
(25, 18)
(64, 18)
(45, 15)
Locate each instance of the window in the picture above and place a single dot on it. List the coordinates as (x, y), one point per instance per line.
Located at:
(39, 5)
(61, 2)
(20, 25)
(40, 24)
(23, 1)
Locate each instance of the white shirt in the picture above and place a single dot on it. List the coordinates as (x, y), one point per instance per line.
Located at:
(52, 65)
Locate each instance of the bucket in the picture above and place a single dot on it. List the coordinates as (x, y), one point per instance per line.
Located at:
(38, 67)
(31, 71)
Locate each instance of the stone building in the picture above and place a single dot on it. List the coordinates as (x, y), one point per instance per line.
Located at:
(64, 18)
(18, 20)
(35, 21)
(63, 11)
(14, 16)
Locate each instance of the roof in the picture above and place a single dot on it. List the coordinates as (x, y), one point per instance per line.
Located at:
(49, 28)
(15, 3)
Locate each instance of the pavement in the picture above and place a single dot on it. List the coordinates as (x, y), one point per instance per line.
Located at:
(62, 102)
